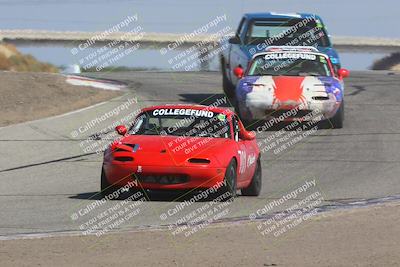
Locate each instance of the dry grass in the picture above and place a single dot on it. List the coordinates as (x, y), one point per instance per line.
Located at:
(28, 96)
(12, 60)
(5, 64)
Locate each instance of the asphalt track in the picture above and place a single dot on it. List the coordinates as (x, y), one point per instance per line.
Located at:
(46, 177)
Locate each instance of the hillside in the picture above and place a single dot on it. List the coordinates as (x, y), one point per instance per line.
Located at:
(13, 60)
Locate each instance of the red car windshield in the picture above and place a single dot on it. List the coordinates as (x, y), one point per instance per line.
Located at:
(182, 122)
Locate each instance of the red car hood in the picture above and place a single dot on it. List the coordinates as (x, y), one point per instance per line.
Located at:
(169, 150)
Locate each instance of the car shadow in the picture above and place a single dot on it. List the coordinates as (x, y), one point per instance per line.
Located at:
(150, 195)
(220, 100)
(264, 126)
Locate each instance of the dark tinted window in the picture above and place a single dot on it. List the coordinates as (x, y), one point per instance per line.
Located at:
(295, 32)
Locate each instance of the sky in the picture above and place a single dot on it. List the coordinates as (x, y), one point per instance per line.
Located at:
(343, 17)
(369, 18)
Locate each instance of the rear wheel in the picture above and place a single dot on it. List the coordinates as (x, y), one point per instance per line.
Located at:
(337, 120)
(254, 187)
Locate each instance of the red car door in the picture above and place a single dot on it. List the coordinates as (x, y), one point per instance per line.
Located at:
(247, 154)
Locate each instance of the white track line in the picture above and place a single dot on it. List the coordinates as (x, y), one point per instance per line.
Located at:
(97, 83)
(62, 115)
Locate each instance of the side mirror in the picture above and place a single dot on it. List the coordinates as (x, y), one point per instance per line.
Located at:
(239, 72)
(343, 73)
(247, 135)
(234, 40)
(121, 130)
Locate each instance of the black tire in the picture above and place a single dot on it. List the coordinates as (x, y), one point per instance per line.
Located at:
(250, 125)
(235, 105)
(337, 120)
(254, 188)
(229, 185)
(227, 86)
(105, 187)
(246, 123)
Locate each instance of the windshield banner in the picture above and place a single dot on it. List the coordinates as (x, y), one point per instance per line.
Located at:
(180, 111)
(290, 56)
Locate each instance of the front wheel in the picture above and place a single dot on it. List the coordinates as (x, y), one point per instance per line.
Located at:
(229, 188)
(227, 86)
(337, 120)
(248, 124)
(254, 187)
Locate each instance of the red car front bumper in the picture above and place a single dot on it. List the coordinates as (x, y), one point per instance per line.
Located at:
(201, 176)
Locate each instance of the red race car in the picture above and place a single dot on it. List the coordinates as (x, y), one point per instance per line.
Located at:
(175, 147)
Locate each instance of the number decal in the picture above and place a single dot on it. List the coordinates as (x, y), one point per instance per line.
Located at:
(242, 161)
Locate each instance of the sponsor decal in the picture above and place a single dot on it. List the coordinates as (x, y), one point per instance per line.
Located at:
(221, 117)
(319, 24)
(245, 161)
(180, 111)
(288, 55)
(250, 160)
(139, 169)
(135, 148)
(242, 159)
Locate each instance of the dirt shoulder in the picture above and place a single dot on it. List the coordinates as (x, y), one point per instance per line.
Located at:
(30, 96)
(358, 237)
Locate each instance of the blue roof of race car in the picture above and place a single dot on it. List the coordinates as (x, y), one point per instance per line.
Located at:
(275, 15)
